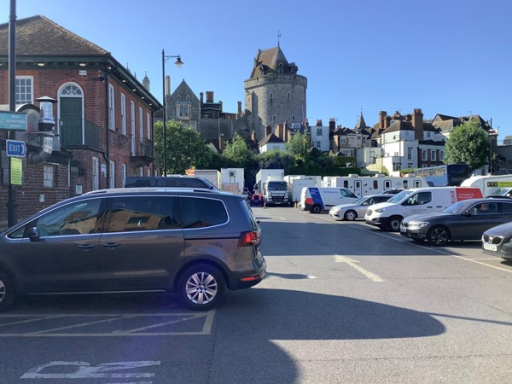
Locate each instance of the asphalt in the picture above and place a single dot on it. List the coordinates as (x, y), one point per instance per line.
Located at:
(342, 302)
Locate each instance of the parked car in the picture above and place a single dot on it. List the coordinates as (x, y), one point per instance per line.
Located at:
(175, 181)
(195, 244)
(415, 201)
(497, 241)
(358, 208)
(465, 220)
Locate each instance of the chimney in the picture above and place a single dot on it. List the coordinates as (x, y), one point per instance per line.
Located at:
(222, 144)
(209, 96)
(319, 123)
(167, 85)
(268, 130)
(239, 108)
(387, 122)
(253, 136)
(382, 116)
(332, 125)
(201, 97)
(417, 123)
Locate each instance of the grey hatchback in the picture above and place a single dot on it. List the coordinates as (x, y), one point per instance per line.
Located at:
(193, 243)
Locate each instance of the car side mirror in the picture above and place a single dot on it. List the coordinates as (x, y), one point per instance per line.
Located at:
(469, 213)
(32, 233)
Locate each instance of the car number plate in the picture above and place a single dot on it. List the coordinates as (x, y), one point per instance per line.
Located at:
(490, 247)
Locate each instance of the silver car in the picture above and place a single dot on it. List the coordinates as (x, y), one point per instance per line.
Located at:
(358, 208)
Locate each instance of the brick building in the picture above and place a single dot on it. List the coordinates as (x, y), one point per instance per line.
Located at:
(104, 115)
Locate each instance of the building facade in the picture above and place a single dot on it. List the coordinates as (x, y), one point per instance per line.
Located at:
(103, 114)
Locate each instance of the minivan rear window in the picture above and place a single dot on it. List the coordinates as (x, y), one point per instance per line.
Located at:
(201, 213)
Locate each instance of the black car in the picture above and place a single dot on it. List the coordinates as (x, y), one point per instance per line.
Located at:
(195, 244)
(465, 220)
(497, 241)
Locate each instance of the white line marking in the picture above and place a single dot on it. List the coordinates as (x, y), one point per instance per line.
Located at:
(30, 320)
(103, 334)
(372, 276)
(207, 328)
(311, 277)
(83, 324)
(160, 324)
(282, 218)
(487, 265)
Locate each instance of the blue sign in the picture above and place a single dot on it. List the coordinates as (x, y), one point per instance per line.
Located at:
(317, 198)
(13, 121)
(16, 148)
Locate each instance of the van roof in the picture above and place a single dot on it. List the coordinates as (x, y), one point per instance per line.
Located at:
(157, 189)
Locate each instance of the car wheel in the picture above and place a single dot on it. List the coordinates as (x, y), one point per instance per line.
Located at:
(7, 293)
(438, 236)
(316, 209)
(350, 215)
(201, 287)
(394, 223)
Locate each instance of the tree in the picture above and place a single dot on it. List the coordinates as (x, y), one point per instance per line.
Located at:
(185, 148)
(469, 144)
(238, 153)
(277, 160)
(298, 146)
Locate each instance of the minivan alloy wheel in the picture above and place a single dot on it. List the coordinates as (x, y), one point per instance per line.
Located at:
(201, 288)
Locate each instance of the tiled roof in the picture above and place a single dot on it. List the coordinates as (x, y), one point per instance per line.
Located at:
(268, 61)
(40, 36)
(399, 126)
(270, 139)
(428, 127)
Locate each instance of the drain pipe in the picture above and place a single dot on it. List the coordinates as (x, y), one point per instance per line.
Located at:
(106, 154)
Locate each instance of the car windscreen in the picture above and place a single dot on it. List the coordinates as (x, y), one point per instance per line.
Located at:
(399, 197)
(458, 208)
(277, 186)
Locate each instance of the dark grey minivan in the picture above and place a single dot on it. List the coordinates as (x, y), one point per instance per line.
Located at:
(193, 243)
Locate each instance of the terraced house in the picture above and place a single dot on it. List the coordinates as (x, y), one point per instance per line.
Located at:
(103, 114)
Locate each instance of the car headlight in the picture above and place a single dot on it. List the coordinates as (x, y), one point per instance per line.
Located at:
(418, 224)
(380, 210)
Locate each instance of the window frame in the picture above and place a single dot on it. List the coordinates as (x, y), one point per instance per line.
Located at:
(111, 107)
(24, 77)
(228, 220)
(123, 113)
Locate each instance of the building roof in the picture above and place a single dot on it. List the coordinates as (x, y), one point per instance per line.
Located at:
(271, 138)
(269, 61)
(399, 125)
(38, 35)
(184, 89)
(428, 127)
(361, 123)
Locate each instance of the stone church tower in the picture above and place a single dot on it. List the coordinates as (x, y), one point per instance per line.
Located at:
(275, 93)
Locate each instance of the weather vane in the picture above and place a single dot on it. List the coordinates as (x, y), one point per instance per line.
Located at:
(278, 37)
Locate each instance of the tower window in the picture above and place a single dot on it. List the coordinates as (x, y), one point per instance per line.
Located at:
(274, 118)
(288, 94)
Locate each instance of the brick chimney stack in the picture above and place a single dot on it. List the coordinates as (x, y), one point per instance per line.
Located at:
(268, 130)
(319, 123)
(239, 109)
(209, 96)
(417, 123)
(382, 116)
(332, 125)
(222, 143)
(387, 122)
(201, 97)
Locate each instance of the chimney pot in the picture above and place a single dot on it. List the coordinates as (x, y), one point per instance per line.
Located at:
(209, 96)
(201, 97)
(319, 123)
(382, 116)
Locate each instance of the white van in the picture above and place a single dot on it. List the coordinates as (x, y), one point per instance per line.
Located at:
(416, 201)
(316, 200)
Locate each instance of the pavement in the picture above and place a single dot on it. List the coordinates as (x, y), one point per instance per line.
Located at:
(342, 303)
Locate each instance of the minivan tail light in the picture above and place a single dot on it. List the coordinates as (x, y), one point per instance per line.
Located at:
(249, 238)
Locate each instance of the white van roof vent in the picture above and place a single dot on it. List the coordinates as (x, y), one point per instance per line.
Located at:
(353, 175)
(379, 175)
(410, 175)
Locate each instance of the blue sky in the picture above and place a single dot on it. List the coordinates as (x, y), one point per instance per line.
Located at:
(447, 57)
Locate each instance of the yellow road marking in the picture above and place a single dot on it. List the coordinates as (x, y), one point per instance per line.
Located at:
(372, 276)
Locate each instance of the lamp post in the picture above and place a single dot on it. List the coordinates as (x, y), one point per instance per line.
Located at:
(492, 133)
(178, 63)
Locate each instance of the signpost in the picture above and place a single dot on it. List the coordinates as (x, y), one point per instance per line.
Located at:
(15, 148)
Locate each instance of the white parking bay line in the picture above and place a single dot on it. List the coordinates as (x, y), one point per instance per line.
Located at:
(372, 276)
(83, 324)
(487, 265)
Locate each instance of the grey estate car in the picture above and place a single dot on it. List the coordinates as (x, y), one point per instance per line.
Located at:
(193, 243)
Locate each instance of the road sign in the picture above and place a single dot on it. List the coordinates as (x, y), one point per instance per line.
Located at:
(16, 148)
(13, 121)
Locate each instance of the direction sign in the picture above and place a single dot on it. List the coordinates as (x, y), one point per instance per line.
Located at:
(16, 148)
(13, 121)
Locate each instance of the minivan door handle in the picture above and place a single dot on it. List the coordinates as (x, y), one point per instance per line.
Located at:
(86, 247)
(110, 245)
(430, 206)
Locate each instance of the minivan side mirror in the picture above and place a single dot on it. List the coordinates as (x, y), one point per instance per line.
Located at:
(32, 233)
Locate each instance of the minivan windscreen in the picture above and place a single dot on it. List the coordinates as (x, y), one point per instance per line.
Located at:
(400, 196)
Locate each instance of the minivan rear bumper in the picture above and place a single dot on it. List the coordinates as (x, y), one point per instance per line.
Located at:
(247, 279)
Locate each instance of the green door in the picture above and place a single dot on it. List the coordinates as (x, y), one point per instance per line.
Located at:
(71, 120)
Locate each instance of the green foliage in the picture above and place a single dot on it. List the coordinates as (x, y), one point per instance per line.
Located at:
(185, 148)
(277, 160)
(237, 152)
(298, 146)
(406, 171)
(469, 144)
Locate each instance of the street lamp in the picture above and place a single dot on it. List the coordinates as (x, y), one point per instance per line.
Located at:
(178, 63)
(492, 133)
